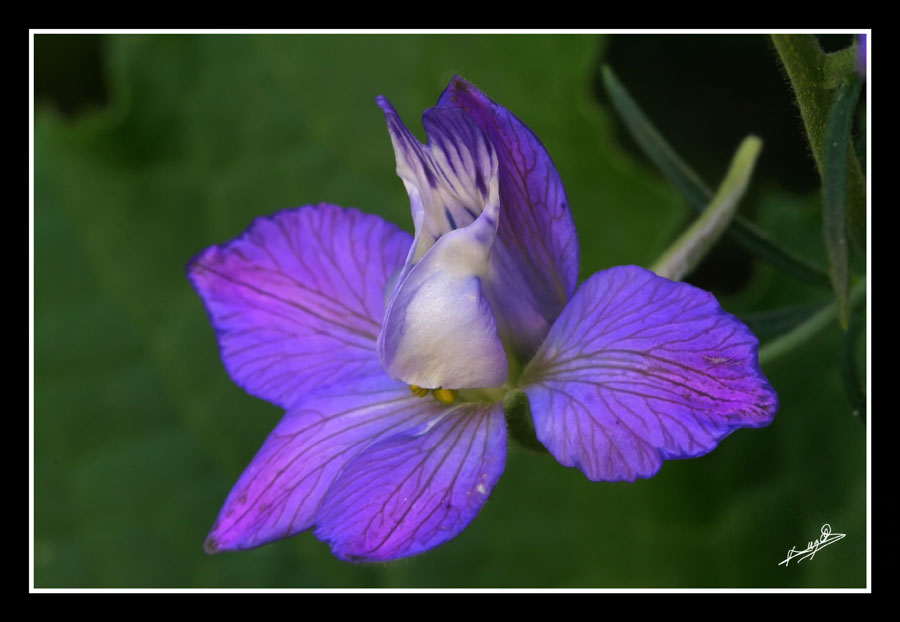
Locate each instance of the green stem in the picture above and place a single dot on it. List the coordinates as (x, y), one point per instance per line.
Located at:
(808, 330)
(519, 422)
(811, 72)
(804, 61)
(839, 65)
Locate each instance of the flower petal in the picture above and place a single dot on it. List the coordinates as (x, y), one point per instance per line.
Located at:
(297, 301)
(638, 369)
(450, 181)
(439, 328)
(411, 492)
(536, 227)
(280, 491)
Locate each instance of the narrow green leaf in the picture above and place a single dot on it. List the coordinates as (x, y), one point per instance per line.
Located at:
(860, 142)
(806, 331)
(834, 188)
(765, 324)
(691, 246)
(698, 193)
(810, 73)
(850, 369)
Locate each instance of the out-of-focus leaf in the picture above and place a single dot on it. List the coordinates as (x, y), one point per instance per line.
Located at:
(766, 324)
(697, 192)
(834, 189)
(805, 332)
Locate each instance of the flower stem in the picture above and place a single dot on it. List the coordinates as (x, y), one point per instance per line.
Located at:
(814, 75)
(519, 422)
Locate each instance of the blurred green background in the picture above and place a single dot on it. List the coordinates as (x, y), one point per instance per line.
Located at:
(149, 148)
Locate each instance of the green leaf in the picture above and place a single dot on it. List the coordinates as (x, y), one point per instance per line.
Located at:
(690, 248)
(850, 375)
(834, 189)
(697, 193)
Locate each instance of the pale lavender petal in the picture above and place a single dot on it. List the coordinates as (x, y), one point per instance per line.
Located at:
(536, 226)
(411, 492)
(638, 369)
(297, 301)
(280, 491)
(439, 328)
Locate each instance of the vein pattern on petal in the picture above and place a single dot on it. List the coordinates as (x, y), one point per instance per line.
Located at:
(413, 491)
(638, 369)
(536, 228)
(451, 180)
(297, 301)
(279, 493)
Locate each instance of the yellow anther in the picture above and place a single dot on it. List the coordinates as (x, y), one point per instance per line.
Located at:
(418, 391)
(444, 396)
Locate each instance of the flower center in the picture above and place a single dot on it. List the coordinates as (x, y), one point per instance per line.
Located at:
(478, 395)
(450, 396)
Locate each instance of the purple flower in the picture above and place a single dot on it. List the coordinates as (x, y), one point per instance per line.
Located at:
(392, 354)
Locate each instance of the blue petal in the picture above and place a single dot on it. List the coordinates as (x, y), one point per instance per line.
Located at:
(414, 491)
(297, 301)
(638, 369)
(281, 490)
